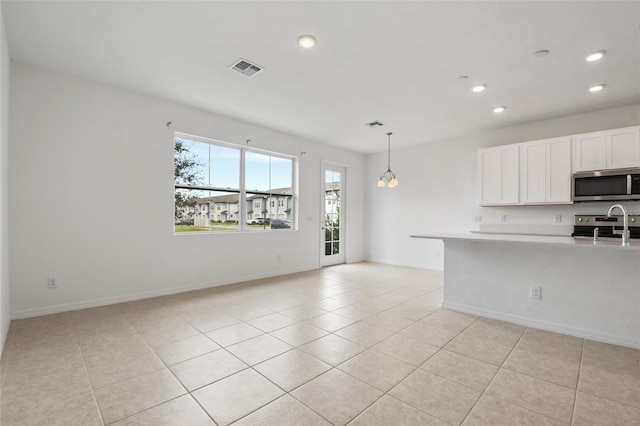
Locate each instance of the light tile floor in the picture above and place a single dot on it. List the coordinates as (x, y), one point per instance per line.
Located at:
(360, 344)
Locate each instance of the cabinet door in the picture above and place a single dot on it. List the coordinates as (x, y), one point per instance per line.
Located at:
(623, 148)
(489, 176)
(533, 163)
(498, 175)
(589, 152)
(510, 176)
(559, 174)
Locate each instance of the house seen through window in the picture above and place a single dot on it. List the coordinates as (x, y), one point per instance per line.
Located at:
(213, 195)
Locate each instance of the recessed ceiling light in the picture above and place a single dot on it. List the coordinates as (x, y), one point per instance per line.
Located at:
(596, 55)
(499, 109)
(479, 88)
(307, 41)
(540, 54)
(596, 88)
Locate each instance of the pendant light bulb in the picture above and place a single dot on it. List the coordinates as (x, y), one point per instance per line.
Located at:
(381, 183)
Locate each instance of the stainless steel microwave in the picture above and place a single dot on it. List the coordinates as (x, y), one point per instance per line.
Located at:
(607, 185)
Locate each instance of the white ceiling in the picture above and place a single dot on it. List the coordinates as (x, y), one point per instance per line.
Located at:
(397, 62)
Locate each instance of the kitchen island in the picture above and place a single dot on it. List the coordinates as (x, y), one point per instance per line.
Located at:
(586, 289)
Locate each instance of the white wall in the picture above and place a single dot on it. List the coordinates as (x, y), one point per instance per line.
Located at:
(438, 188)
(5, 67)
(87, 160)
(91, 198)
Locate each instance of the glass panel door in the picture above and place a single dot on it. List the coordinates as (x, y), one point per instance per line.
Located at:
(333, 194)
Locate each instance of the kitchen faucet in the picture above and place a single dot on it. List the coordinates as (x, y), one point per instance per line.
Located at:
(625, 223)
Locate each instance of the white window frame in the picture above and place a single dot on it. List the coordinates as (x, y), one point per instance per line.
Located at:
(242, 204)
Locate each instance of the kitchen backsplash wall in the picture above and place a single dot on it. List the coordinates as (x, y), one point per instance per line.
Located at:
(544, 215)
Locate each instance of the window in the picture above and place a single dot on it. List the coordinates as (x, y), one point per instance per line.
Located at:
(209, 173)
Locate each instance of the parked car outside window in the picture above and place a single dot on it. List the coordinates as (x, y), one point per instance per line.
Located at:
(261, 221)
(280, 224)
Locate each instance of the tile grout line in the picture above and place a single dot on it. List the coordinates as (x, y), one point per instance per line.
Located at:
(188, 392)
(575, 396)
(375, 296)
(494, 376)
(149, 372)
(502, 367)
(388, 392)
(200, 333)
(248, 366)
(332, 368)
(86, 371)
(251, 367)
(180, 315)
(286, 393)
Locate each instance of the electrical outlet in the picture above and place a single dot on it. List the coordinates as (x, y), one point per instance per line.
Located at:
(558, 218)
(478, 219)
(51, 283)
(279, 257)
(437, 253)
(535, 292)
(503, 218)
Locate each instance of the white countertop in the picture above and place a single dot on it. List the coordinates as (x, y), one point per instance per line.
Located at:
(535, 239)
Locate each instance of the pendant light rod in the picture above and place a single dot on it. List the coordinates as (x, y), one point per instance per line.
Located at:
(389, 151)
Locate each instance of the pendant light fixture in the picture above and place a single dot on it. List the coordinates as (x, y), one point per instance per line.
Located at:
(388, 178)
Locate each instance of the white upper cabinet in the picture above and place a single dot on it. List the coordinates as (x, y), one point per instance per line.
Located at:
(623, 148)
(589, 152)
(533, 168)
(609, 149)
(545, 171)
(498, 175)
(559, 173)
(541, 172)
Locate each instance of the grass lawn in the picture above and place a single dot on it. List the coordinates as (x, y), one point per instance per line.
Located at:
(214, 227)
(188, 228)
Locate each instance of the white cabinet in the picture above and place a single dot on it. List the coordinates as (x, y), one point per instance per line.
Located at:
(533, 167)
(559, 173)
(498, 175)
(545, 171)
(540, 172)
(589, 152)
(609, 149)
(623, 148)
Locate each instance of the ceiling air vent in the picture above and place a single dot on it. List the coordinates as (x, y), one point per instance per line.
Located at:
(375, 124)
(246, 68)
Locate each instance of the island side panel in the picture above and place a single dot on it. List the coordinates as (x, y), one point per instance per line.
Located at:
(586, 292)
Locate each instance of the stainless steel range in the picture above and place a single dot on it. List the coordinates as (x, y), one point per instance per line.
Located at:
(601, 226)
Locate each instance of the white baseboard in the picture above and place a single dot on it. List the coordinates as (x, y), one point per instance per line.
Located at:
(544, 325)
(435, 267)
(74, 306)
